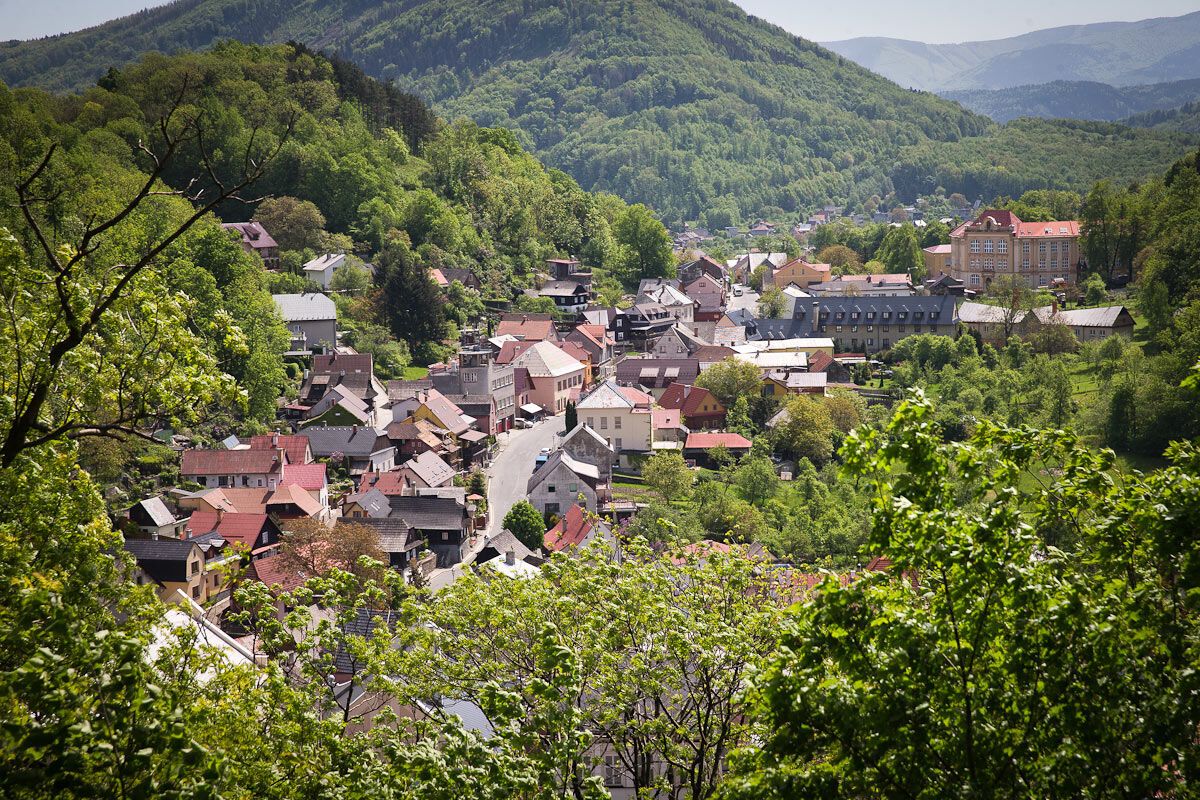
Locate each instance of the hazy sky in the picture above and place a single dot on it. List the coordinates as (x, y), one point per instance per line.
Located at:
(929, 21)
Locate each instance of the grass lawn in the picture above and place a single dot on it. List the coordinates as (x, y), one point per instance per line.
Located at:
(414, 373)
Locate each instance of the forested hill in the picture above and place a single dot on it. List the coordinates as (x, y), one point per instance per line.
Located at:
(689, 106)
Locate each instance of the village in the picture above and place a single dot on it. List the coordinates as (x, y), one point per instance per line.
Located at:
(545, 408)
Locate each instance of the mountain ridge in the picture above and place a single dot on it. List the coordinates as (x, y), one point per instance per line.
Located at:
(1088, 100)
(1145, 51)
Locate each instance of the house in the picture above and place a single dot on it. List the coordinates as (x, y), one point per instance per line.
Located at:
(357, 449)
(528, 327)
(554, 374)
(880, 285)
(678, 342)
(437, 409)
(426, 470)
(864, 324)
(577, 530)
(798, 272)
(698, 444)
(586, 445)
(646, 321)
(372, 503)
(1091, 324)
(581, 355)
(656, 374)
(400, 541)
(711, 354)
(785, 384)
(698, 408)
(255, 239)
(387, 483)
(596, 342)
(320, 269)
(256, 533)
(998, 242)
(937, 259)
(619, 414)
(311, 318)
(735, 327)
(338, 405)
(464, 276)
(569, 296)
(773, 360)
(506, 549)
(475, 372)
(220, 468)
(295, 446)
(947, 284)
(709, 294)
(994, 324)
(669, 431)
(666, 293)
(415, 436)
(153, 518)
(443, 522)
(175, 565)
(690, 272)
(745, 265)
(835, 371)
(352, 371)
(312, 478)
(562, 481)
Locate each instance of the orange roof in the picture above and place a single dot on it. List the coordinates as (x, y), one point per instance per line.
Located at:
(597, 334)
(292, 494)
(510, 351)
(273, 571)
(531, 330)
(1034, 230)
(570, 531)
(707, 441)
(233, 527)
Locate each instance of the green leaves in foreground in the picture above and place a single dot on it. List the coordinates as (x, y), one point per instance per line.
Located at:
(986, 662)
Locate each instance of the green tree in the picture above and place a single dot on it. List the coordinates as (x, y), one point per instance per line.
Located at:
(737, 419)
(1154, 303)
(841, 259)
(771, 304)
(411, 301)
(730, 380)
(1001, 639)
(524, 522)
(1013, 294)
(294, 224)
(807, 431)
(756, 480)
(570, 417)
(668, 475)
(645, 245)
(1095, 293)
(900, 250)
(351, 279)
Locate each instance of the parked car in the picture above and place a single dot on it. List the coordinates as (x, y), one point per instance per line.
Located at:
(521, 422)
(737, 291)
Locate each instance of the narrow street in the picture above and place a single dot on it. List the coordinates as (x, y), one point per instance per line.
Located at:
(508, 475)
(749, 299)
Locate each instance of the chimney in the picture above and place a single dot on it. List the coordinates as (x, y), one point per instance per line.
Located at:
(816, 320)
(353, 431)
(220, 515)
(275, 439)
(154, 536)
(1054, 304)
(510, 557)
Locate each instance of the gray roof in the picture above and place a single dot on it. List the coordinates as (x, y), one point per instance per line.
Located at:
(430, 513)
(160, 549)
(430, 468)
(939, 310)
(587, 473)
(347, 440)
(156, 511)
(501, 544)
(395, 534)
(1105, 317)
(305, 307)
(562, 289)
(373, 502)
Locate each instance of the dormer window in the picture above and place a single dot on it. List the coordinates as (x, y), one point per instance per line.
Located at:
(887, 315)
(854, 315)
(870, 315)
(901, 314)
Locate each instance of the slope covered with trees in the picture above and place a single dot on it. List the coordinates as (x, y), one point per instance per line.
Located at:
(679, 105)
(1076, 99)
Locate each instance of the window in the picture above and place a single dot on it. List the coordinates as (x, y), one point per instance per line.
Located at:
(195, 592)
(591, 421)
(974, 245)
(1042, 248)
(1054, 247)
(870, 328)
(1025, 248)
(870, 342)
(552, 489)
(887, 328)
(617, 423)
(551, 508)
(854, 329)
(604, 423)
(614, 772)
(572, 487)
(887, 343)
(903, 328)
(988, 247)
(618, 442)
(195, 565)
(264, 537)
(1002, 246)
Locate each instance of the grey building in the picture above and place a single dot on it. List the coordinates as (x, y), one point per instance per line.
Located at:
(863, 324)
(475, 374)
(311, 318)
(561, 482)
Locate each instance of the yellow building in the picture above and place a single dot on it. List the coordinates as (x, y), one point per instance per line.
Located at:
(999, 243)
(798, 272)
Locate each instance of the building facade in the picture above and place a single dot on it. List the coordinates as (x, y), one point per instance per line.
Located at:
(997, 243)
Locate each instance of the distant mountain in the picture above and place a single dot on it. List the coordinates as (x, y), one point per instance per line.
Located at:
(690, 106)
(1116, 53)
(1076, 99)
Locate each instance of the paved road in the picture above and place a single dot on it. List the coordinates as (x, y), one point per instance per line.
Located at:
(749, 299)
(508, 475)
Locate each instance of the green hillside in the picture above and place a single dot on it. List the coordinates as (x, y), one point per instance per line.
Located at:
(1186, 118)
(687, 106)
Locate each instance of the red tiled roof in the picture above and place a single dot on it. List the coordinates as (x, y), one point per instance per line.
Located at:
(510, 351)
(712, 353)
(531, 330)
(230, 462)
(598, 334)
(570, 531)
(296, 446)
(273, 571)
(819, 361)
(332, 363)
(665, 418)
(938, 249)
(234, 527)
(1033, 230)
(707, 441)
(390, 483)
(307, 476)
(688, 399)
(635, 396)
(576, 352)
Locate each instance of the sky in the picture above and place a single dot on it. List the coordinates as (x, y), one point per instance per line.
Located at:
(925, 21)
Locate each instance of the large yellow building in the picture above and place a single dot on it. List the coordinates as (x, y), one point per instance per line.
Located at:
(999, 243)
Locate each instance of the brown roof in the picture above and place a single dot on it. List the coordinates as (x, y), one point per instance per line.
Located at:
(231, 462)
(336, 362)
(387, 482)
(529, 329)
(688, 399)
(273, 571)
(712, 353)
(570, 531)
(296, 447)
(233, 527)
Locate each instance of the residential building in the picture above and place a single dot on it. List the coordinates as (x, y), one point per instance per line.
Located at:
(352, 371)
(425, 470)
(835, 371)
(621, 415)
(296, 446)
(1091, 324)
(562, 482)
(865, 324)
(221, 468)
(554, 375)
(400, 541)
(656, 374)
(678, 342)
(476, 373)
(995, 324)
(569, 296)
(597, 343)
(577, 530)
(311, 319)
(445, 276)
(337, 405)
(320, 269)
(586, 445)
(744, 266)
(175, 565)
(735, 327)
(155, 519)
(504, 550)
(443, 522)
(690, 272)
(255, 533)
(711, 354)
(698, 444)
(698, 408)
(647, 321)
(797, 272)
(785, 384)
(708, 293)
(937, 259)
(528, 327)
(669, 431)
(356, 449)
(998, 243)
(667, 294)
(613, 320)
(255, 239)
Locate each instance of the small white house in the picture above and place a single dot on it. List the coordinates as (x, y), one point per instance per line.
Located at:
(320, 270)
